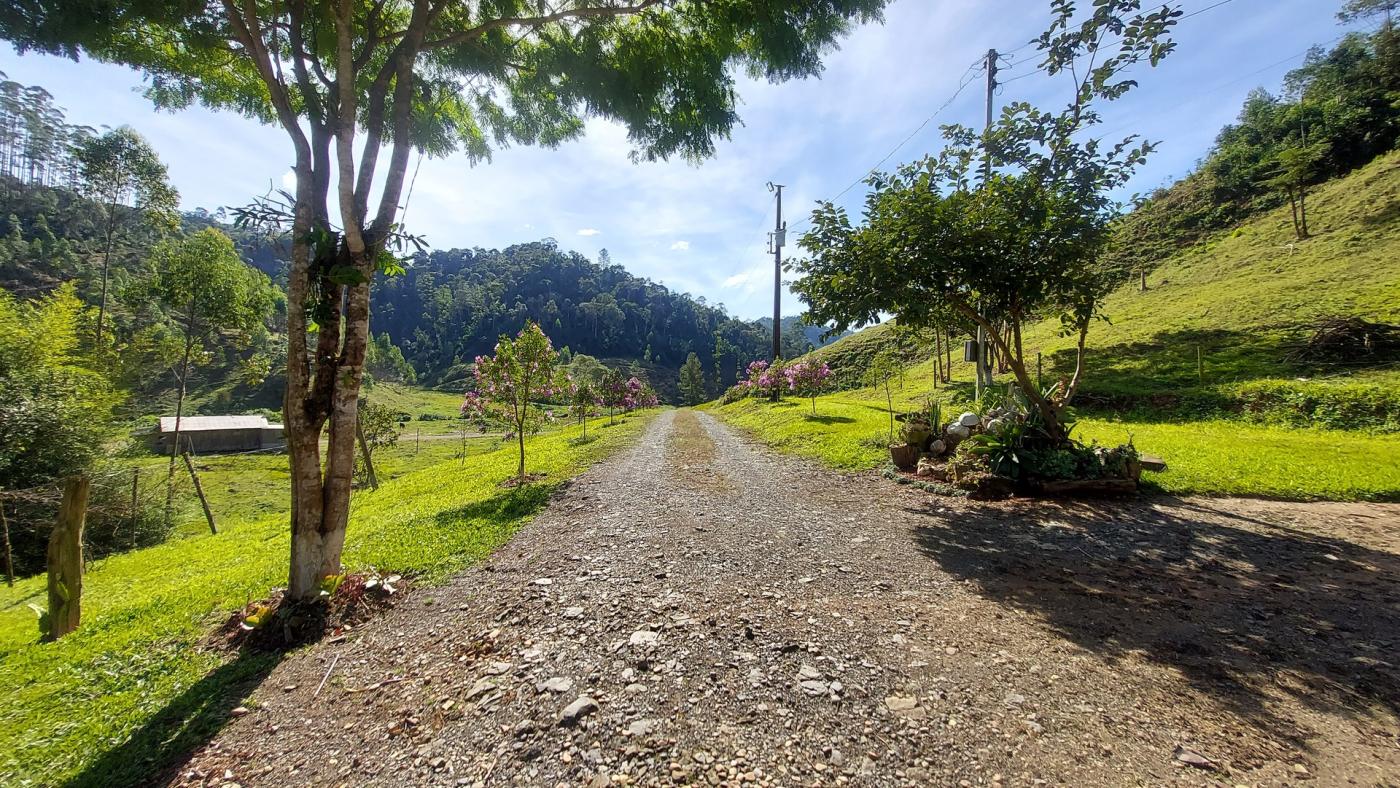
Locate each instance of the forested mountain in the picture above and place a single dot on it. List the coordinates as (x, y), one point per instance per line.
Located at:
(449, 306)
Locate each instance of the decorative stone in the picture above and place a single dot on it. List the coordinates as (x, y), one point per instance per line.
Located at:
(959, 431)
(937, 447)
(994, 426)
(969, 420)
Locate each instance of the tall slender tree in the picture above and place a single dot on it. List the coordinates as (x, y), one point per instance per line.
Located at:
(352, 80)
(202, 281)
(120, 169)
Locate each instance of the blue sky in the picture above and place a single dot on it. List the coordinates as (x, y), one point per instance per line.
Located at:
(701, 229)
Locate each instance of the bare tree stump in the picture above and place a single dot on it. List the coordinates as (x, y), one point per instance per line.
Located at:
(65, 560)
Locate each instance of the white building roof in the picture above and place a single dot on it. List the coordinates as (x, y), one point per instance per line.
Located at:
(203, 423)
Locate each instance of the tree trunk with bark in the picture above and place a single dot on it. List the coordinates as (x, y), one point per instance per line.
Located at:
(65, 561)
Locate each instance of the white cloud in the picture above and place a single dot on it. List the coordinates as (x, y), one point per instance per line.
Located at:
(588, 231)
(289, 180)
(680, 246)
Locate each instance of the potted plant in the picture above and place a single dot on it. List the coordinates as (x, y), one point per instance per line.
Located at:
(904, 455)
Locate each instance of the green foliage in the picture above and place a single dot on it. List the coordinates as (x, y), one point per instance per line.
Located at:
(121, 168)
(449, 305)
(510, 384)
(55, 410)
(385, 361)
(1203, 457)
(132, 690)
(692, 380)
(202, 279)
(1337, 112)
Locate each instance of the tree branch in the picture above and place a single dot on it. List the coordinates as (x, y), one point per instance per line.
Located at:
(535, 21)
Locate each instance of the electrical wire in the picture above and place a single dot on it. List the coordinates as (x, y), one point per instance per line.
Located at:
(967, 79)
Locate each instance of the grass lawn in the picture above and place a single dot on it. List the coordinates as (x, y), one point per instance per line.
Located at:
(1208, 457)
(131, 690)
(1244, 298)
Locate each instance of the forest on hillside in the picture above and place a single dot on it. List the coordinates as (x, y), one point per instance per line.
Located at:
(1333, 114)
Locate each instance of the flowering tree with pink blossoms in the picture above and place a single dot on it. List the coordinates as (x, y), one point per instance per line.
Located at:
(807, 379)
(522, 372)
(765, 379)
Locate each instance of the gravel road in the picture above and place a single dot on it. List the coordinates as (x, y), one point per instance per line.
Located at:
(699, 610)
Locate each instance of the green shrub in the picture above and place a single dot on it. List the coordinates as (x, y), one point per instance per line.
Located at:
(1339, 406)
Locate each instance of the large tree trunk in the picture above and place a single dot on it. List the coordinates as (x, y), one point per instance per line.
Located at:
(65, 561)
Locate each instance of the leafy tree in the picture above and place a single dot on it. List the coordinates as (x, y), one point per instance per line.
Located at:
(384, 360)
(523, 372)
(120, 168)
(693, 380)
(203, 282)
(587, 369)
(1021, 241)
(582, 398)
(613, 393)
(808, 379)
(54, 409)
(378, 427)
(432, 75)
(1295, 169)
(1354, 10)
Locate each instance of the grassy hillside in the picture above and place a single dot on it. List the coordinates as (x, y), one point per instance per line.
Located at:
(131, 689)
(1244, 299)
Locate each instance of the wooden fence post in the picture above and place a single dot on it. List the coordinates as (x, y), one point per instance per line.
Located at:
(65, 560)
(9, 558)
(1200, 366)
(199, 490)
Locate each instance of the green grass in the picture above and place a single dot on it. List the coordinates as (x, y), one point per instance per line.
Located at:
(1243, 297)
(1205, 457)
(131, 690)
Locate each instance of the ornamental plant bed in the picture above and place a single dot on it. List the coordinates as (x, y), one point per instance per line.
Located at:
(1003, 452)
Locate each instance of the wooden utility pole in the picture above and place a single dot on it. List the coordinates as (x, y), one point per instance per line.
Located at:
(779, 231)
(199, 491)
(65, 560)
(984, 372)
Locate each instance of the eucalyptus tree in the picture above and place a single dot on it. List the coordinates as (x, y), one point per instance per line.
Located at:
(118, 169)
(351, 81)
(1014, 236)
(211, 292)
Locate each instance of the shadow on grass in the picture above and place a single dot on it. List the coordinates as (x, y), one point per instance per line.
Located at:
(1244, 607)
(830, 419)
(158, 748)
(502, 509)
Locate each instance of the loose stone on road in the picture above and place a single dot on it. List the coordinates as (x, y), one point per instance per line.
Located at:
(699, 610)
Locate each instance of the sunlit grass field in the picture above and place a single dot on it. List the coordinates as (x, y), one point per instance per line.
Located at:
(113, 702)
(851, 429)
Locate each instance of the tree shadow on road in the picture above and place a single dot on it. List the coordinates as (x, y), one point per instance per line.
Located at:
(1245, 608)
(186, 723)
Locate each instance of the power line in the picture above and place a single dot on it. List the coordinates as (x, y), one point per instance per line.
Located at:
(1107, 45)
(967, 79)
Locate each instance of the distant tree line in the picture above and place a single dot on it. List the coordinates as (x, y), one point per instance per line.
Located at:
(450, 306)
